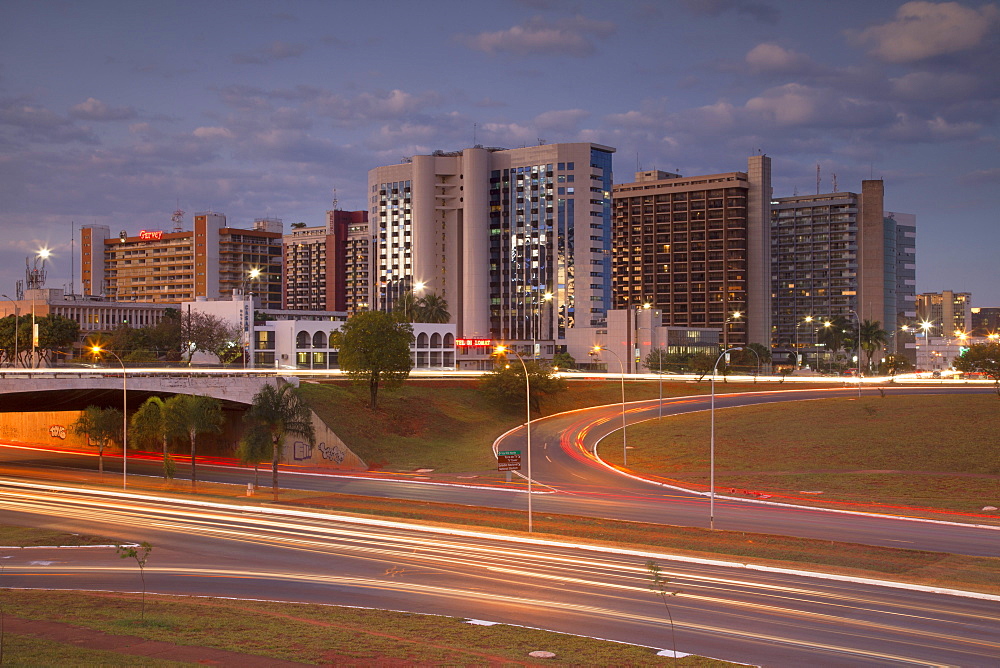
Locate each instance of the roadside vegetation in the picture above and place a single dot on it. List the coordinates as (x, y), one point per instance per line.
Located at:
(302, 633)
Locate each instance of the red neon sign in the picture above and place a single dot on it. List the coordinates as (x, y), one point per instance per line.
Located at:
(473, 342)
(151, 235)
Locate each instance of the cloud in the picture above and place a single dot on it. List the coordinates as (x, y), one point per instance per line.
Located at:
(910, 129)
(269, 54)
(561, 121)
(799, 105)
(770, 58)
(93, 109)
(929, 86)
(926, 29)
(20, 118)
(759, 11)
(570, 36)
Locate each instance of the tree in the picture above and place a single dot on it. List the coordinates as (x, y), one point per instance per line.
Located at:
(505, 383)
(140, 553)
(894, 364)
(659, 587)
(152, 425)
(432, 308)
(836, 336)
(193, 415)
(254, 448)
(657, 360)
(873, 337)
(563, 361)
(405, 306)
(984, 358)
(208, 333)
(276, 412)
(101, 426)
(54, 332)
(374, 349)
(702, 364)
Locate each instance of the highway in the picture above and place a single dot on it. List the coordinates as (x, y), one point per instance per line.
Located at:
(752, 616)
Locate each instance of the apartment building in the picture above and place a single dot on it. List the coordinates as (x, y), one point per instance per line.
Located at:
(841, 254)
(516, 241)
(697, 249)
(320, 263)
(210, 260)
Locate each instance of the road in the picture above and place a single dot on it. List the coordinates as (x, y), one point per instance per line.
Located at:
(758, 617)
(570, 480)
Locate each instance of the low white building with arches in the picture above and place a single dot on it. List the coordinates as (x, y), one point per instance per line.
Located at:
(292, 339)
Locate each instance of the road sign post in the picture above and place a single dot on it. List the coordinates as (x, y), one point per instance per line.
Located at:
(509, 460)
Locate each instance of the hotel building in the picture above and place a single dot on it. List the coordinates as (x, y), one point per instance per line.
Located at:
(516, 241)
(697, 249)
(212, 260)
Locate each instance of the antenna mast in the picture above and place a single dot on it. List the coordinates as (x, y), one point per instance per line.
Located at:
(817, 178)
(178, 219)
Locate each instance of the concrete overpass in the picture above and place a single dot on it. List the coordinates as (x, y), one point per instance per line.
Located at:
(60, 389)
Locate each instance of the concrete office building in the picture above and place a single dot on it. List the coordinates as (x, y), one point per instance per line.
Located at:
(321, 263)
(516, 241)
(948, 312)
(841, 254)
(211, 260)
(697, 249)
(986, 321)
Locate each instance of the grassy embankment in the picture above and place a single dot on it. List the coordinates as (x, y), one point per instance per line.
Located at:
(255, 631)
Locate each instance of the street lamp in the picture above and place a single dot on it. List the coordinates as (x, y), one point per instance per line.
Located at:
(536, 315)
(501, 350)
(725, 328)
(711, 482)
(97, 350)
(858, 318)
(808, 319)
(597, 350)
(16, 323)
(659, 363)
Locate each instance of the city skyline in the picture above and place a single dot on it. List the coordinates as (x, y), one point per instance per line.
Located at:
(119, 113)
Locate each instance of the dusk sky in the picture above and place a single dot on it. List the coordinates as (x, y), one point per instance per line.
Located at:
(117, 113)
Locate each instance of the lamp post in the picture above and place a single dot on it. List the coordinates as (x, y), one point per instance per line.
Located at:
(97, 350)
(500, 350)
(711, 482)
(858, 318)
(597, 350)
(536, 315)
(808, 319)
(252, 274)
(16, 323)
(725, 328)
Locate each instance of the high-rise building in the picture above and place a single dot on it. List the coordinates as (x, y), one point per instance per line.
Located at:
(320, 263)
(212, 261)
(516, 241)
(986, 321)
(947, 311)
(841, 254)
(698, 249)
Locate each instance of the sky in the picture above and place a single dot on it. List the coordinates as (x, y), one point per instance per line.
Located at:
(120, 112)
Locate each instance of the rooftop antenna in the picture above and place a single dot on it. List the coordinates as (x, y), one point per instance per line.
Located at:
(178, 218)
(817, 178)
(34, 273)
(541, 142)
(335, 201)
(72, 252)
(475, 126)
(835, 189)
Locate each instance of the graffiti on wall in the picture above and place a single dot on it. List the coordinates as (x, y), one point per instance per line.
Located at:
(57, 431)
(302, 451)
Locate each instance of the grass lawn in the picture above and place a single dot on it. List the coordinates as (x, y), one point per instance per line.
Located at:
(310, 634)
(449, 425)
(934, 451)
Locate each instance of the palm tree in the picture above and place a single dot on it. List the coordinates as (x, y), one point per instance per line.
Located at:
(873, 337)
(433, 308)
(151, 424)
(835, 335)
(277, 412)
(192, 415)
(406, 306)
(101, 426)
